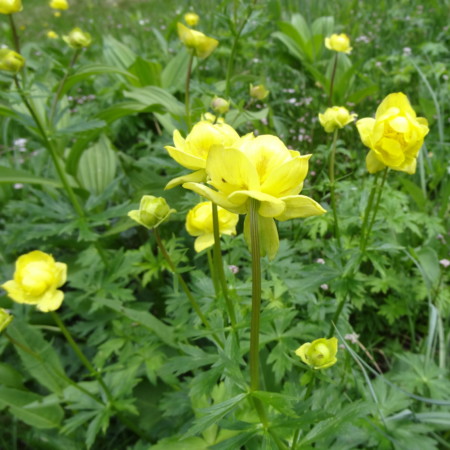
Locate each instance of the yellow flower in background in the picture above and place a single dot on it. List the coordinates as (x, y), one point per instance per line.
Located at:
(57, 14)
(259, 91)
(191, 19)
(220, 105)
(152, 212)
(208, 117)
(11, 61)
(193, 151)
(202, 45)
(52, 35)
(394, 137)
(338, 43)
(59, 4)
(263, 169)
(10, 6)
(78, 39)
(36, 280)
(5, 319)
(319, 354)
(335, 117)
(199, 222)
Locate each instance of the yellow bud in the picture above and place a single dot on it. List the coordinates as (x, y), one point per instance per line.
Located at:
(259, 91)
(220, 105)
(335, 117)
(10, 6)
(11, 61)
(152, 212)
(191, 19)
(319, 354)
(338, 43)
(78, 38)
(201, 45)
(59, 4)
(52, 35)
(5, 319)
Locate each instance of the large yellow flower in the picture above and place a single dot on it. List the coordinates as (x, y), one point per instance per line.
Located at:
(263, 169)
(199, 222)
(201, 44)
(10, 6)
(394, 137)
(338, 43)
(193, 151)
(36, 280)
(319, 354)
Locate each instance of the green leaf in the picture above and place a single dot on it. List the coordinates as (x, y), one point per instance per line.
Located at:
(147, 72)
(9, 175)
(279, 402)
(80, 127)
(191, 443)
(117, 54)
(173, 75)
(34, 410)
(121, 109)
(10, 377)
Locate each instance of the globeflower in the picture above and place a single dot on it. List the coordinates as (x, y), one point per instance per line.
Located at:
(319, 354)
(59, 4)
(394, 137)
(193, 151)
(338, 43)
(220, 105)
(152, 212)
(262, 169)
(10, 6)
(191, 19)
(199, 222)
(11, 61)
(336, 117)
(36, 279)
(78, 39)
(52, 35)
(201, 44)
(5, 319)
(259, 91)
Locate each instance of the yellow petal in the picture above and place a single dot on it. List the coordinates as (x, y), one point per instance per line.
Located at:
(396, 100)
(391, 152)
(409, 166)
(365, 129)
(269, 206)
(373, 164)
(186, 159)
(51, 301)
(16, 293)
(203, 242)
(198, 176)
(302, 350)
(300, 206)
(61, 276)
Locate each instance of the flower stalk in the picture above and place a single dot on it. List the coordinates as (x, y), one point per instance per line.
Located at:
(187, 100)
(333, 76)
(332, 187)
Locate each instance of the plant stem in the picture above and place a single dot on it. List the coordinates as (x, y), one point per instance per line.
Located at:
(375, 210)
(333, 75)
(368, 210)
(218, 262)
(336, 316)
(213, 273)
(332, 190)
(185, 287)
(15, 35)
(61, 84)
(186, 93)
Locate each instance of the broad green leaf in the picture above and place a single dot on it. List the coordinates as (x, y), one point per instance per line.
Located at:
(236, 118)
(117, 54)
(429, 261)
(34, 410)
(121, 109)
(191, 443)
(81, 127)
(10, 377)
(9, 175)
(173, 76)
(148, 72)
(278, 401)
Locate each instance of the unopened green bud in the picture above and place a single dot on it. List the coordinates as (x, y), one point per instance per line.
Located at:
(152, 212)
(259, 91)
(220, 105)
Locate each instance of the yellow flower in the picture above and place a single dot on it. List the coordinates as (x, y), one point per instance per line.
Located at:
(59, 4)
(10, 6)
(338, 43)
(262, 169)
(199, 222)
(11, 61)
(57, 14)
(335, 117)
(78, 38)
(319, 354)
(220, 105)
(191, 19)
(52, 35)
(193, 151)
(394, 137)
(5, 319)
(259, 91)
(208, 117)
(152, 212)
(36, 280)
(202, 45)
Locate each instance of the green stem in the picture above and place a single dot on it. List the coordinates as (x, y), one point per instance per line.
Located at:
(218, 262)
(15, 35)
(375, 210)
(61, 84)
(368, 210)
(336, 316)
(333, 75)
(213, 273)
(187, 101)
(185, 287)
(332, 190)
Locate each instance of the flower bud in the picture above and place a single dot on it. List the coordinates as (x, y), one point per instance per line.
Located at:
(78, 38)
(59, 4)
(191, 19)
(152, 212)
(335, 117)
(10, 6)
(11, 61)
(259, 91)
(319, 354)
(201, 44)
(338, 43)
(220, 105)
(5, 319)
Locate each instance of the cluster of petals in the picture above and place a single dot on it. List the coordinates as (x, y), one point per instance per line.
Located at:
(338, 43)
(319, 354)
(10, 6)
(199, 43)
